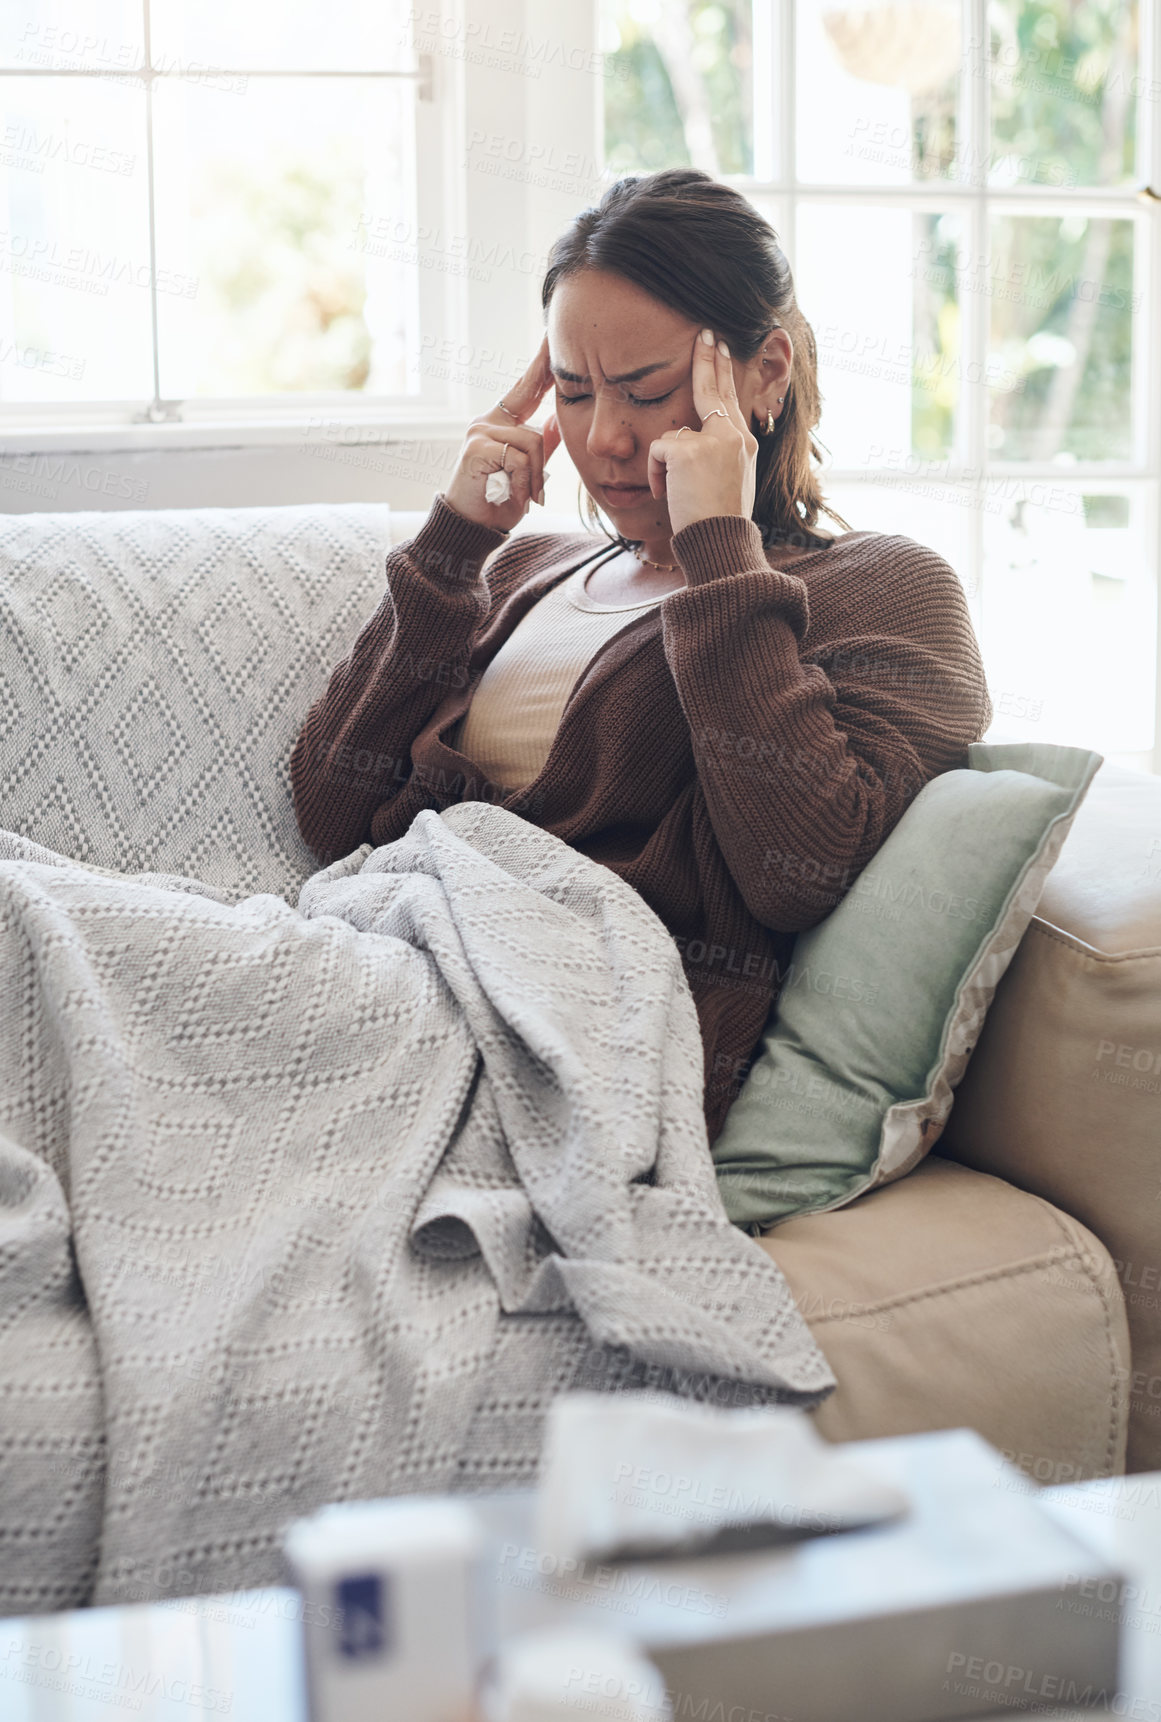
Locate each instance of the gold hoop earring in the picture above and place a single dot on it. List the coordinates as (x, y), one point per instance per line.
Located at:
(769, 422)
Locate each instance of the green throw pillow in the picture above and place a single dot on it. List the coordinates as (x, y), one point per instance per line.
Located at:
(884, 1000)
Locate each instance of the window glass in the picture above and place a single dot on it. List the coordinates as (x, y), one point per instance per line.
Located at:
(1064, 80)
(1061, 298)
(878, 92)
(74, 242)
(1065, 612)
(939, 515)
(298, 244)
(188, 35)
(889, 360)
(1068, 615)
(679, 85)
(72, 35)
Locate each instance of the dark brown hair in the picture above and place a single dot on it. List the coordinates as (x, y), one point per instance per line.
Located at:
(703, 249)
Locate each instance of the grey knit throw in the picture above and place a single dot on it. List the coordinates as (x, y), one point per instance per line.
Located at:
(329, 1202)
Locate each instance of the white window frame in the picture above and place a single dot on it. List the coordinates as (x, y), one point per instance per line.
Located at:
(470, 87)
(476, 94)
(973, 468)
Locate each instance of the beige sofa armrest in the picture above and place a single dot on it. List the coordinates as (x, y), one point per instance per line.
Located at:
(951, 1299)
(1063, 1093)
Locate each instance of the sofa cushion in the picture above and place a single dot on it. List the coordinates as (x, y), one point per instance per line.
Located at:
(881, 1006)
(1063, 1094)
(158, 667)
(951, 1299)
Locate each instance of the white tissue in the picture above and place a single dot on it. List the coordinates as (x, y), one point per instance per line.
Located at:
(575, 1672)
(498, 487)
(640, 1474)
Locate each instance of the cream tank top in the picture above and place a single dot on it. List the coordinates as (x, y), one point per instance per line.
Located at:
(516, 709)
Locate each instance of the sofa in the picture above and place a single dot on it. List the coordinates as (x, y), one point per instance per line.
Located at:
(157, 667)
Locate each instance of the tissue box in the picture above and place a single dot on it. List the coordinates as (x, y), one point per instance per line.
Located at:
(958, 1609)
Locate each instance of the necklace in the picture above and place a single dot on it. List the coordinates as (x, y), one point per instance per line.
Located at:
(666, 567)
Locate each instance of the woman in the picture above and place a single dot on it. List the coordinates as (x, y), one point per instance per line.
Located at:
(725, 706)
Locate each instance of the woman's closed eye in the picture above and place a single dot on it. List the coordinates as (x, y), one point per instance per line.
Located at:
(649, 400)
(633, 400)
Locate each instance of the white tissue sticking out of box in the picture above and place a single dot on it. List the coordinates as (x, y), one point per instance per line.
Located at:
(497, 487)
(555, 1674)
(641, 1475)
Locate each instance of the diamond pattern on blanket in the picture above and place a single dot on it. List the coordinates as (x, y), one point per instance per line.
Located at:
(73, 616)
(195, 641)
(150, 739)
(222, 977)
(328, 1202)
(236, 640)
(189, 1159)
(218, 852)
(266, 1243)
(55, 812)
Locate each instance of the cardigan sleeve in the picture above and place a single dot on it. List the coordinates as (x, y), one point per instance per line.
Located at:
(353, 754)
(806, 759)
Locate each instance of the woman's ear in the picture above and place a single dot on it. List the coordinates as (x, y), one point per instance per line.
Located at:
(774, 366)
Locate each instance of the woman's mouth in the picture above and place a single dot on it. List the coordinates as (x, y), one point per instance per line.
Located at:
(624, 495)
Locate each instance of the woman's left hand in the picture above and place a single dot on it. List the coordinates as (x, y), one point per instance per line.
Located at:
(712, 470)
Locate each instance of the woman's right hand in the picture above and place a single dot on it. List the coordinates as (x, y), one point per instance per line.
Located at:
(525, 458)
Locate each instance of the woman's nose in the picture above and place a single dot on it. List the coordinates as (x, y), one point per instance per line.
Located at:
(610, 433)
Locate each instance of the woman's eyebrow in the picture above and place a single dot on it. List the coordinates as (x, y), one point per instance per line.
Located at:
(564, 376)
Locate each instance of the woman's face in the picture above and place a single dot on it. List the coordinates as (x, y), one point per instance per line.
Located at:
(623, 365)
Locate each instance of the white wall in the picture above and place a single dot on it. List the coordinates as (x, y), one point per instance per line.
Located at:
(406, 474)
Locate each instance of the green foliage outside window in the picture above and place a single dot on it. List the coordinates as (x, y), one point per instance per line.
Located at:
(679, 89)
(1063, 112)
(1059, 292)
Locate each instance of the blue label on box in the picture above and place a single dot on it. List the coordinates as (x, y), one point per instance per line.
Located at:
(363, 1603)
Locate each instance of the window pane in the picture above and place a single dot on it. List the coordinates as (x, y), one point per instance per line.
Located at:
(1061, 318)
(679, 85)
(877, 91)
(1069, 600)
(1063, 76)
(74, 251)
(71, 35)
(888, 337)
(938, 515)
(292, 209)
(296, 34)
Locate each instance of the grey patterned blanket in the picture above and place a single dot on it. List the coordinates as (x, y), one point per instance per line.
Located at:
(328, 1202)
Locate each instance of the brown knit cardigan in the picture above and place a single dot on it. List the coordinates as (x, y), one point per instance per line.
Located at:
(737, 754)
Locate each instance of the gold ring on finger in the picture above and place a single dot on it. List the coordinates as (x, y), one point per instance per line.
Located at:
(504, 457)
(515, 417)
(684, 427)
(716, 413)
